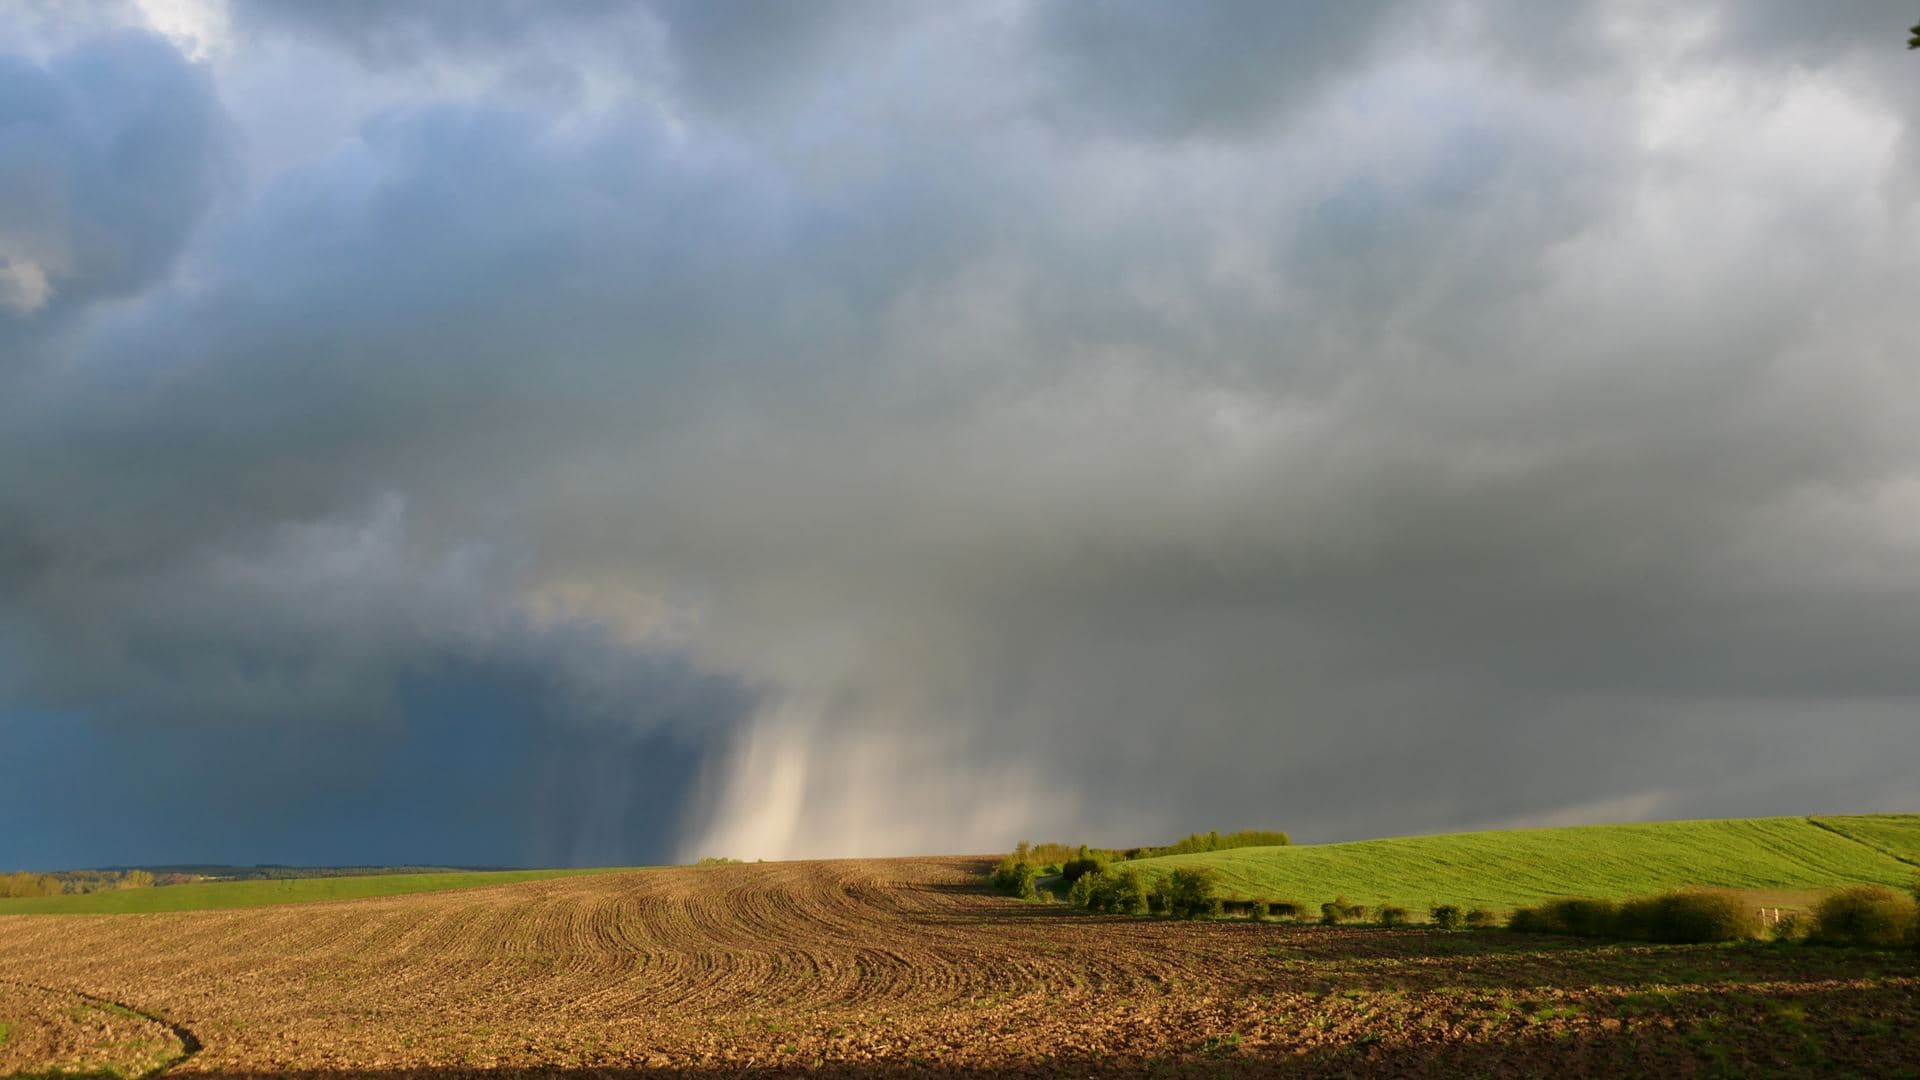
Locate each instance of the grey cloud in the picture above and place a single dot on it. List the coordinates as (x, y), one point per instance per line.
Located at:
(72, 134)
(1520, 447)
(1221, 67)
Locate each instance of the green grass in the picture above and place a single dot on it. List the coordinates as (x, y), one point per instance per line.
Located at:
(1503, 870)
(1897, 835)
(218, 895)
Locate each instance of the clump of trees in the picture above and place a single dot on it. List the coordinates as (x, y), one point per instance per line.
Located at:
(1190, 892)
(25, 883)
(22, 883)
(1186, 893)
(1214, 841)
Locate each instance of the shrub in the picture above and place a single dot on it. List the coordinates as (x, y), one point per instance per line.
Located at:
(1688, 918)
(1357, 911)
(1479, 919)
(135, 879)
(1081, 894)
(1337, 910)
(1284, 909)
(1581, 918)
(1393, 916)
(1081, 865)
(1117, 892)
(1444, 916)
(1188, 893)
(1864, 915)
(1526, 920)
(1014, 877)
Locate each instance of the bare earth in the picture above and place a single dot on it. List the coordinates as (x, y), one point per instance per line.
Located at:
(881, 966)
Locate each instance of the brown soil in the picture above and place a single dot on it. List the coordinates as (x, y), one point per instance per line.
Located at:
(906, 965)
(57, 1031)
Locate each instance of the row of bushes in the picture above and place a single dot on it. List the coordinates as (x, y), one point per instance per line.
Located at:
(1186, 893)
(1870, 915)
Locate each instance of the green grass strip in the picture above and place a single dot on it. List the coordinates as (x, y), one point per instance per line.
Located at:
(223, 895)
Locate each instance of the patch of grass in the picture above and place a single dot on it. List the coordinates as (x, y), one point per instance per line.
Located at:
(1504, 870)
(1897, 835)
(220, 895)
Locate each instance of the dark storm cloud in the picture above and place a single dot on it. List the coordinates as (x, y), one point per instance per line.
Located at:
(873, 432)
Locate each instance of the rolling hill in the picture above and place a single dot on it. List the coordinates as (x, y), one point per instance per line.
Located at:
(1781, 857)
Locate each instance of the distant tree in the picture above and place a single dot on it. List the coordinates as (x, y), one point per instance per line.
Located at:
(1913, 39)
(135, 879)
(22, 883)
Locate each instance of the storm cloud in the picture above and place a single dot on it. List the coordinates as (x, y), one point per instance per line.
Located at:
(601, 433)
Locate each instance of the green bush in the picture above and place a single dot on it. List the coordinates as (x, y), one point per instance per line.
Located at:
(1479, 919)
(1871, 915)
(1526, 920)
(1581, 918)
(1189, 893)
(1081, 865)
(1014, 877)
(1393, 916)
(1444, 916)
(1080, 895)
(1688, 918)
(1120, 891)
(1284, 909)
(1337, 910)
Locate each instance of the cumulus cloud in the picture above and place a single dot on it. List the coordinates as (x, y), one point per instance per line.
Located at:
(1001, 420)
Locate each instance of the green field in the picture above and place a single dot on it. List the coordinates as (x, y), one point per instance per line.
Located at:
(1503, 870)
(217, 895)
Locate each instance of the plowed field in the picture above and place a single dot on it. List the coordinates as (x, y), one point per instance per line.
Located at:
(884, 965)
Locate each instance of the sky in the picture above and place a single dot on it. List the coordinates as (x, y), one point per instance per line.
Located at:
(602, 433)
